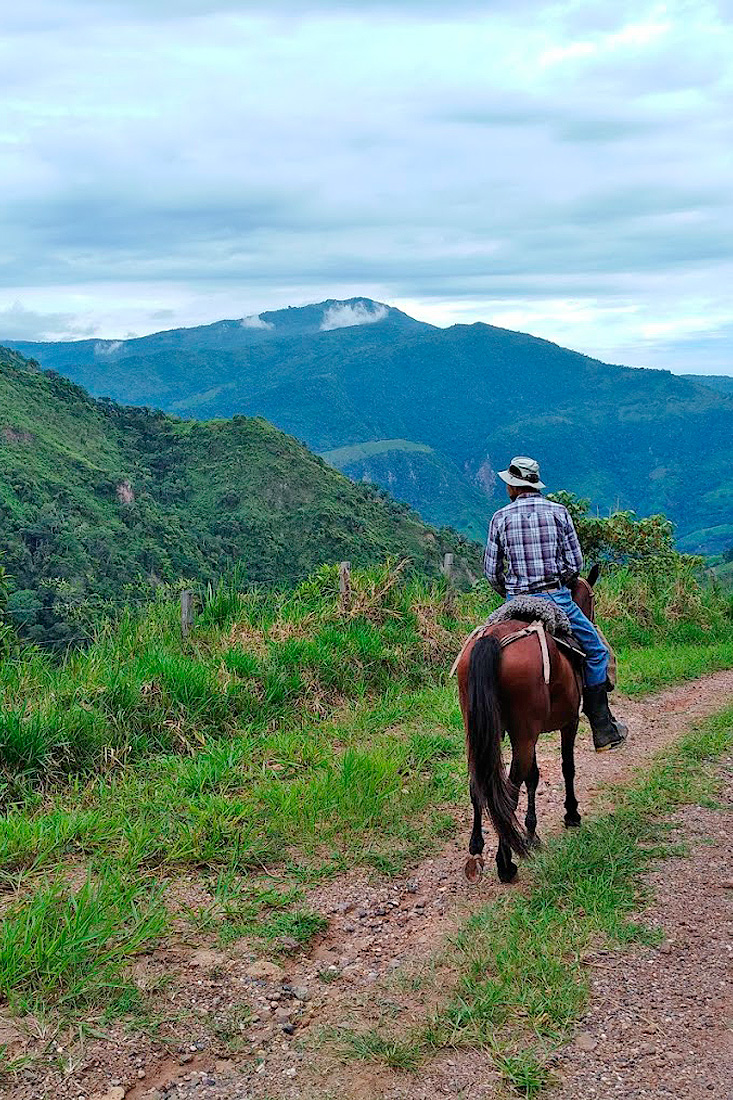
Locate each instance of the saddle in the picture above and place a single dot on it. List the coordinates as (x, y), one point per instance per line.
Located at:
(531, 609)
(543, 617)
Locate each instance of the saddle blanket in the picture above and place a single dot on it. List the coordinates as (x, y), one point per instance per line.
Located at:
(536, 611)
(532, 609)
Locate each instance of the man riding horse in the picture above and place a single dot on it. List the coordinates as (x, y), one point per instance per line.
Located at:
(533, 549)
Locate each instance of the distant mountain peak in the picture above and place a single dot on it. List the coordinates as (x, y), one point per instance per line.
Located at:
(233, 334)
(349, 314)
(333, 313)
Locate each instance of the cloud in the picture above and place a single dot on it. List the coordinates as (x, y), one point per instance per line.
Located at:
(175, 9)
(104, 348)
(255, 321)
(694, 352)
(19, 323)
(247, 156)
(346, 315)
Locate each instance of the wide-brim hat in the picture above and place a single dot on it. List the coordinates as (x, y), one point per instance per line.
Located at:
(523, 473)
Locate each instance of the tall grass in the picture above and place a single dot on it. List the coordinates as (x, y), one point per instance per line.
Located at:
(257, 662)
(665, 626)
(644, 608)
(68, 947)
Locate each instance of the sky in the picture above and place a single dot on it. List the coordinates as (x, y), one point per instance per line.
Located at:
(561, 168)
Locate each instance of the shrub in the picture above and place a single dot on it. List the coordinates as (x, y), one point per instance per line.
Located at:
(622, 539)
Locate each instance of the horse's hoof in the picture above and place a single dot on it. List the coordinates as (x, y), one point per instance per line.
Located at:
(474, 869)
(509, 874)
(533, 842)
(572, 822)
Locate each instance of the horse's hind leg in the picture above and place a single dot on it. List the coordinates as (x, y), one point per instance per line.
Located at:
(532, 782)
(568, 735)
(475, 862)
(476, 843)
(523, 744)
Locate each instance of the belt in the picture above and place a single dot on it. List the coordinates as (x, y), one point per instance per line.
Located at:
(554, 587)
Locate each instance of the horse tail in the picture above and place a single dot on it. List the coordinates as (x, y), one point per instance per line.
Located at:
(495, 790)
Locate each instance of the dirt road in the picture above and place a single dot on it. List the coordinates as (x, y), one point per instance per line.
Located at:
(374, 963)
(659, 1025)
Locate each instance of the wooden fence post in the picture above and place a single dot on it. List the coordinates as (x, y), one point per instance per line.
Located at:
(450, 594)
(345, 585)
(186, 611)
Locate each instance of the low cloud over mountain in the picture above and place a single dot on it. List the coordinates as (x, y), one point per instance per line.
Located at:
(346, 315)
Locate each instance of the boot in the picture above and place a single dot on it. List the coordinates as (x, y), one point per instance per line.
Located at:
(608, 732)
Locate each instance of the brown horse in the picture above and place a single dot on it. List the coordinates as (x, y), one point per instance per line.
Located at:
(505, 690)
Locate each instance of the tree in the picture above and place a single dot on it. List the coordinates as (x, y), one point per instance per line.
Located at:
(623, 539)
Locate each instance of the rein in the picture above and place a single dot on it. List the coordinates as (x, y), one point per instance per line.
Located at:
(591, 596)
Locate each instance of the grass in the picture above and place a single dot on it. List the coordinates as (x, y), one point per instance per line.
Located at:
(522, 961)
(228, 1025)
(342, 456)
(370, 1046)
(261, 666)
(299, 926)
(657, 666)
(319, 792)
(257, 664)
(286, 740)
(67, 947)
(524, 1072)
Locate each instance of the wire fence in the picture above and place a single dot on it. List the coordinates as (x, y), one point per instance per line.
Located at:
(186, 597)
(62, 604)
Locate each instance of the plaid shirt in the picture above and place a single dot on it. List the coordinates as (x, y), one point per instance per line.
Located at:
(532, 544)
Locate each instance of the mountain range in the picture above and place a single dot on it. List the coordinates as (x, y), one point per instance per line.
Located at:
(100, 502)
(432, 413)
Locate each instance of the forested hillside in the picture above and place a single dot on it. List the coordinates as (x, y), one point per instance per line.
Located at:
(100, 502)
(432, 413)
(723, 383)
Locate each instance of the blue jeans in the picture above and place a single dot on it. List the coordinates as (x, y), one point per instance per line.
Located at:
(596, 665)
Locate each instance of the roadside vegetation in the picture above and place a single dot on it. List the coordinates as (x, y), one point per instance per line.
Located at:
(288, 737)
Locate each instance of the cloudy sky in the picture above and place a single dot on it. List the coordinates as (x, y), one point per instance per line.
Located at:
(561, 168)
